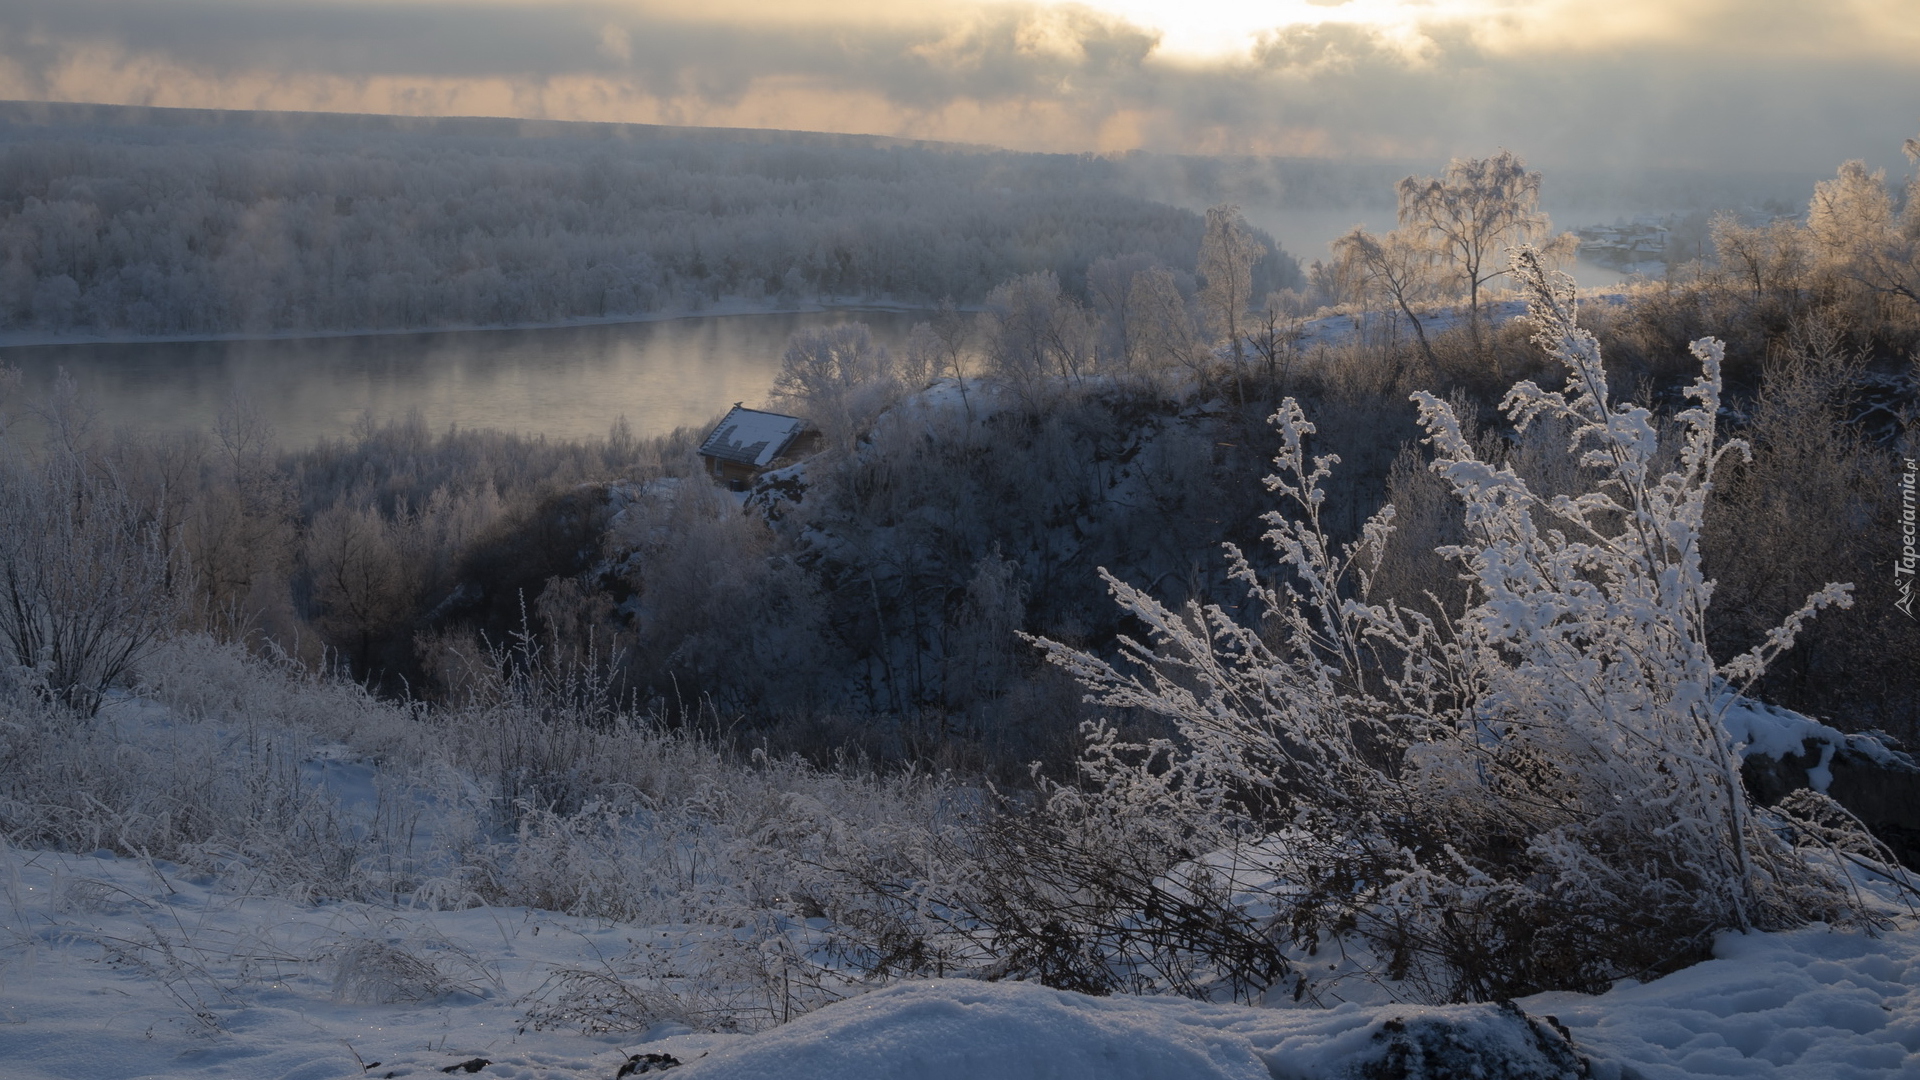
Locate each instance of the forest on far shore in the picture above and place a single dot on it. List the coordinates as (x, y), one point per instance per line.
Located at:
(170, 222)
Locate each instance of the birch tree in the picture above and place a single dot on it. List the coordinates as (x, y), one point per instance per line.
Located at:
(1471, 214)
(1228, 253)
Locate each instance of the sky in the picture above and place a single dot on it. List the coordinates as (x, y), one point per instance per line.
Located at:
(1693, 84)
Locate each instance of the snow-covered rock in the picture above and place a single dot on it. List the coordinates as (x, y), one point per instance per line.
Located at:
(1867, 774)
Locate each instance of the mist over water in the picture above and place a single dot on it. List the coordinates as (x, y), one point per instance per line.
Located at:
(563, 382)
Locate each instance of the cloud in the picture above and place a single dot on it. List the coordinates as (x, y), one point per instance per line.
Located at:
(1732, 83)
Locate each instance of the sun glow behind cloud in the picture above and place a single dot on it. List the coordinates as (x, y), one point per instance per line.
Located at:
(1214, 31)
(1203, 31)
(1681, 81)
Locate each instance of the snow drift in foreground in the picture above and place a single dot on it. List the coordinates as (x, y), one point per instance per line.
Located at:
(123, 968)
(1813, 1003)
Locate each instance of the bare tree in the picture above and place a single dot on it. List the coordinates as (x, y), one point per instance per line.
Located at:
(983, 647)
(953, 333)
(1276, 333)
(819, 362)
(1227, 255)
(1159, 325)
(239, 532)
(1397, 268)
(1033, 331)
(1110, 289)
(920, 356)
(69, 416)
(839, 376)
(359, 577)
(1769, 259)
(1479, 208)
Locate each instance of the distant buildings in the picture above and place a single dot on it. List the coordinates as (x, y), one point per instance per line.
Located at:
(748, 442)
(1653, 243)
(1625, 246)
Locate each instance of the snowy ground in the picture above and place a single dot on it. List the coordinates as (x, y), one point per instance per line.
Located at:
(126, 968)
(120, 967)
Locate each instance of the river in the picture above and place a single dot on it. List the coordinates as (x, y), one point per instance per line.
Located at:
(564, 382)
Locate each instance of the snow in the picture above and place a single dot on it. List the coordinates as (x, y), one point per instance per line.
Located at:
(1769, 730)
(140, 968)
(947, 394)
(961, 1030)
(1773, 731)
(752, 437)
(1815, 1002)
(129, 968)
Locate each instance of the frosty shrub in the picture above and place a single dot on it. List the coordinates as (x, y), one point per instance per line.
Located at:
(1532, 791)
(601, 1001)
(83, 578)
(398, 963)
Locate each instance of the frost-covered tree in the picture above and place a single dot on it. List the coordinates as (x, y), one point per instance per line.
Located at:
(1479, 208)
(921, 356)
(1228, 253)
(353, 555)
(1860, 237)
(269, 225)
(1110, 289)
(1160, 329)
(240, 534)
(84, 578)
(838, 376)
(1395, 269)
(1768, 259)
(1032, 332)
(1534, 791)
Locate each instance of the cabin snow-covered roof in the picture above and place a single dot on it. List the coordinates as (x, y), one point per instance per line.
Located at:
(752, 437)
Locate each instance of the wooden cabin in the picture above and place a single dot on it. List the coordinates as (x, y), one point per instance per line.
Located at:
(748, 442)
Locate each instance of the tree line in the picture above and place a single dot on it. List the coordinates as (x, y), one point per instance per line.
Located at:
(232, 229)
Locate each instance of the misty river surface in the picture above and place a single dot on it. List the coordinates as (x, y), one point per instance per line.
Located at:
(564, 382)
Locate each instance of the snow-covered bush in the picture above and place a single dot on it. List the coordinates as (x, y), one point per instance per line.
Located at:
(85, 576)
(396, 962)
(1532, 791)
